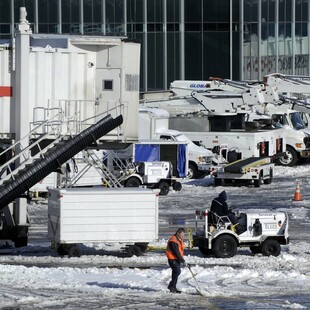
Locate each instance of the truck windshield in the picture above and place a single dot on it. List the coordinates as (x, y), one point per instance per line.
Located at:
(297, 121)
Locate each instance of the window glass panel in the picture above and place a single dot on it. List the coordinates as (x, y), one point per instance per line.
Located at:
(250, 10)
(155, 11)
(193, 55)
(193, 11)
(135, 11)
(155, 61)
(173, 57)
(5, 11)
(216, 11)
(173, 11)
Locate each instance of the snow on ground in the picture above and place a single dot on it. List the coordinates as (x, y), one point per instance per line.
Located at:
(34, 277)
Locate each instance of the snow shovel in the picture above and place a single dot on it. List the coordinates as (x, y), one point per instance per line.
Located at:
(198, 288)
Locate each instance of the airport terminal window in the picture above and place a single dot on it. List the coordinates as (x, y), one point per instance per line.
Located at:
(285, 10)
(47, 11)
(216, 11)
(92, 12)
(193, 11)
(135, 11)
(250, 10)
(173, 9)
(5, 12)
(154, 11)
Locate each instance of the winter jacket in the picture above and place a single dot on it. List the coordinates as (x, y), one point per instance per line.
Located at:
(219, 205)
(175, 249)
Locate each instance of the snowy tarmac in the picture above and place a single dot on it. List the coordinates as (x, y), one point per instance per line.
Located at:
(34, 277)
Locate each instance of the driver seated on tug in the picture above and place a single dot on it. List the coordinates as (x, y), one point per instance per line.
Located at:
(219, 206)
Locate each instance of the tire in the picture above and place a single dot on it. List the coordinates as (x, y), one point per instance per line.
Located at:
(192, 172)
(63, 249)
(164, 188)
(258, 182)
(60, 250)
(132, 182)
(256, 249)
(142, 246)
(177, 186)
(20, 242)
(74, 251)
(133, 250)
(225, 246)
(217, 182)
(271, 247)
(205, 251)
(289, 159)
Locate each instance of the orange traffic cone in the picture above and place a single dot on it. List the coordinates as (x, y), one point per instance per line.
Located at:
(297, 196)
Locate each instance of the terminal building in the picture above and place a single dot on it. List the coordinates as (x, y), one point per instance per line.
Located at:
(184, 39)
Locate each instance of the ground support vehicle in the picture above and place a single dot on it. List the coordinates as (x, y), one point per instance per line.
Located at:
(152, 175)
(153, 126)
(250, 170)
(263, 232)
(120, 215)
(214, 120)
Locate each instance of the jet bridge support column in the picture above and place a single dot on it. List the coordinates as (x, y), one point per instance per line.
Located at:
(21, 96)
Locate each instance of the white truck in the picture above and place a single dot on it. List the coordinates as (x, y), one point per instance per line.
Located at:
(213, 121)
(261, 100)
(113, 215)
(263, 232)
(153, 125)
(250, 170)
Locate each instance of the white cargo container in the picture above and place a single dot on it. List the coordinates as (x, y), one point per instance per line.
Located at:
(122, 215)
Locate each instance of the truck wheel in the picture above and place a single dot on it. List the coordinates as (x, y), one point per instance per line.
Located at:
(258, 182)
(217, 182)
(164, 188)
(192, 172)
(20, 242)
(177, 186)
(132, 182)
(142, 246)
(271, 247)
(74, 251)
(133, 250)
(256, 249)
(225, 246)
(289, 159)
(205, 251)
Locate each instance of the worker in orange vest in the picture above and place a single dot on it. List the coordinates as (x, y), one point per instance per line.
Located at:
(175, 253)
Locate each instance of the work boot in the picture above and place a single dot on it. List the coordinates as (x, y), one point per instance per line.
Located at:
(173, 290)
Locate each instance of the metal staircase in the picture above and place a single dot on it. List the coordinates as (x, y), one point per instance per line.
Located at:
(33, 169)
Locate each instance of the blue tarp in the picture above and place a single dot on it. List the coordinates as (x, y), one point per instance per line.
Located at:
(181, 160)
(151, 152)
(147, 152)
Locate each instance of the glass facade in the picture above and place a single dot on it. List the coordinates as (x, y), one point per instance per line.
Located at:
(184, 39)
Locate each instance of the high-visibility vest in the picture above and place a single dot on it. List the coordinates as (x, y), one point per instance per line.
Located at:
(180, 244)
